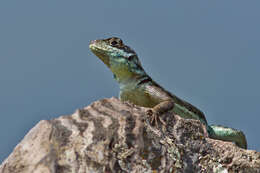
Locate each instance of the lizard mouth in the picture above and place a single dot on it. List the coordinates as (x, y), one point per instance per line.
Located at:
(99, 52)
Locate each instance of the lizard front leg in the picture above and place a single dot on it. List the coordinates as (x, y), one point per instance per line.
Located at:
(158, 109)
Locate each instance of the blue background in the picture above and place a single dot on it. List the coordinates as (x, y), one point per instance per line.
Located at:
(206, 52)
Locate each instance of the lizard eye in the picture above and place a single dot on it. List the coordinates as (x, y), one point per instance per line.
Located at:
(113, 43)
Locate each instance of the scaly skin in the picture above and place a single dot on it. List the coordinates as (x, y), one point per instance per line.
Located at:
(137, 87)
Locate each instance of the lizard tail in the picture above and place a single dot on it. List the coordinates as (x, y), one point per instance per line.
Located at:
(228, 134)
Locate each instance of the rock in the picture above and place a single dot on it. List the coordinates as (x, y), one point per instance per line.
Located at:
(111, 136)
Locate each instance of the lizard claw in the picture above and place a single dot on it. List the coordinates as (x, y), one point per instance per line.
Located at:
(154, 117)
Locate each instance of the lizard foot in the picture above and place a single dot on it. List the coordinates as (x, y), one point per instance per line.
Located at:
(155, 117)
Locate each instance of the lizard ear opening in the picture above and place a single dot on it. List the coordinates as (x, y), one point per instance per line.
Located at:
(134, 60)
(130, 58)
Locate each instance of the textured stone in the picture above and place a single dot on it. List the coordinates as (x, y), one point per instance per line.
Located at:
(111, 136)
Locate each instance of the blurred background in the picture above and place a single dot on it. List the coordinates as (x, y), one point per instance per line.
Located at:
(206, 52)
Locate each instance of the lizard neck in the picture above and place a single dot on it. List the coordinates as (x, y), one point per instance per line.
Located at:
(132, 82)
(127, 73)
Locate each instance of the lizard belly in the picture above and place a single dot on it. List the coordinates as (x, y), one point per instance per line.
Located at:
(138, 97)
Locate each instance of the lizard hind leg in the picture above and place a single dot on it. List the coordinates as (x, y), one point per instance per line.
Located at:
(228, 134)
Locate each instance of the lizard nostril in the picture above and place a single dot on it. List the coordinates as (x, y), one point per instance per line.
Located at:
(93, 41)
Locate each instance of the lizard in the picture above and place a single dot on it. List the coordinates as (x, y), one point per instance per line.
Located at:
(137, 87)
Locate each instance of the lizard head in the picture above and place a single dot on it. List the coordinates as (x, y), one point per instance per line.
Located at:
(119, 58)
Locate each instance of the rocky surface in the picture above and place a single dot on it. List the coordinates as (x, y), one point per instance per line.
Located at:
(111, 136)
